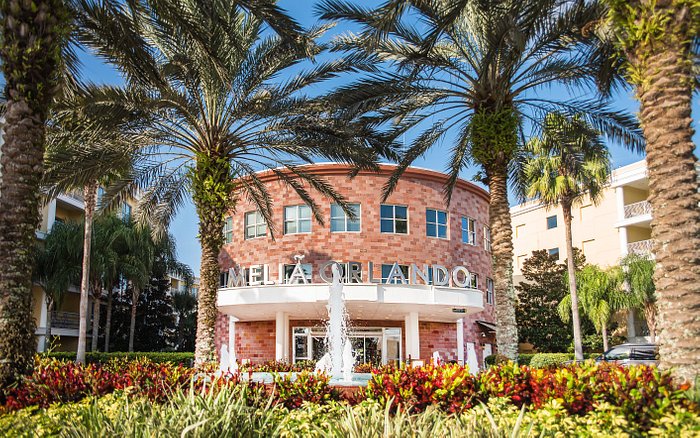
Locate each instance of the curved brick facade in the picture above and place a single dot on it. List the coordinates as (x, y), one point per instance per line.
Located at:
(419, 190)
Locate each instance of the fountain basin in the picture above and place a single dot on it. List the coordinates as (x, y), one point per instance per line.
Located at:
(358, 379)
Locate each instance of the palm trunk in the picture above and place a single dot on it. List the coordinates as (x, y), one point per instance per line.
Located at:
(211, 224)
(604, 330)
(132, 326)
(571, 269)
(31, 33)
(49, 317)
(108, 319)
(665, 113)
(502, 254)
(96, 317)
(650, 312)
(90, 195)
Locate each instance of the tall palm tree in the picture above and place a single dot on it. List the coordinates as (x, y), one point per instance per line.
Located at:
(57, 266)
(639, 277)
(30, 43)
(85, 151)
(136, 266)
(564, 166)
(600, 297)
(218, 117)
(474, 71)
(661, 44)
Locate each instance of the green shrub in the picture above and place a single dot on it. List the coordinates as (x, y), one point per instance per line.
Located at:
(496, 359)
(524, 359)
(542, 360)
(176, 358)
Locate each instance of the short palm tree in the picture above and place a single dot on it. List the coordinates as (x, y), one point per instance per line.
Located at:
(660, 41)
(638, 271)
(474, 71)
(565, 165)
(218, 116)
(57, 266)
(600, 294)
(31, 39)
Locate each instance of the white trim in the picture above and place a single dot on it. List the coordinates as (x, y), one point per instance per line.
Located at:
(460, 341)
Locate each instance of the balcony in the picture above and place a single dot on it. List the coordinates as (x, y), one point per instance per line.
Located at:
(637, 209)
(641, 247)
(65, 320)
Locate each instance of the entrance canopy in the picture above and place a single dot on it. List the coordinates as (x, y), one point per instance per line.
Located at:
(363, 301)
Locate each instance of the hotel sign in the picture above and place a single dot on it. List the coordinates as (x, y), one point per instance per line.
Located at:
(352, 272)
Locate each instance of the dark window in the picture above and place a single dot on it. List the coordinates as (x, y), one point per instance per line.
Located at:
(619, 353)
(489, 291)
(551, 222)
(436, 223)
(554, 252)
(393, 219)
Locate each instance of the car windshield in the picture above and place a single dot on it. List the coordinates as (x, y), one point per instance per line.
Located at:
(617, 353)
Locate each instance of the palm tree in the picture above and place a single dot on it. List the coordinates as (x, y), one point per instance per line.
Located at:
(57, 266)
(218, 117)
(564, 166)
(185, 306)
(600, 297)
(32, 36)
(639, 278)
(137, 266)
(473, 71)
(661, 44)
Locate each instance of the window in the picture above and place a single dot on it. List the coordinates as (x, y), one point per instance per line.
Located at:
(297, 219)
(487, 239)
(519, 230)
(554, 252)
(468, 231)
(386, 270)
(489, 291)
(340, 222)
(551, 222)
(228, 230)
(126, 211)
(394, 219)
(223, 279)
(436, 223)
(289, 269)
(255, 225)
(474, 281)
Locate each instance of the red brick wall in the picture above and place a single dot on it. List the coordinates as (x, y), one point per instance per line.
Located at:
(418, 189)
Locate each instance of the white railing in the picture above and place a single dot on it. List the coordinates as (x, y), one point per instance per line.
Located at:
(641, 247)
(637, 209)
(67, 320)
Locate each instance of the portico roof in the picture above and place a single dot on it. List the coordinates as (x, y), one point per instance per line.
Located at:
(363, 301)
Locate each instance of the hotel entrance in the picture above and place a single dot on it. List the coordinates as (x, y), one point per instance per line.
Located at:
(377, 346)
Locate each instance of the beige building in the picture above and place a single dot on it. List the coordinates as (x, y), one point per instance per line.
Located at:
(65, 319)
(618, 225)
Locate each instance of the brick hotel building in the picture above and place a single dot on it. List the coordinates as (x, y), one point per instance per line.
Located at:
(416, 273)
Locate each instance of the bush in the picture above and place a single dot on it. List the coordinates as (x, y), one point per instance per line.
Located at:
(451, 387)
(176, 358)
(524, 359)
(542, 360)
(495, 359)
(305, 387)
(278, 366)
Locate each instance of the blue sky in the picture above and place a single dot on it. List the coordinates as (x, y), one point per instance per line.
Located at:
(184, 227)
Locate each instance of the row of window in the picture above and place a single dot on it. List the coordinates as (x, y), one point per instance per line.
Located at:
(386, 272)
(393, 220)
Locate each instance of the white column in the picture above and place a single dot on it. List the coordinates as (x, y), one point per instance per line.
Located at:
(50, 215)
(232, 336)
(43, 316)
(412, 336)
(279, 335)
(622, 233)
(620, 201)
(285, 354)
(460, 341)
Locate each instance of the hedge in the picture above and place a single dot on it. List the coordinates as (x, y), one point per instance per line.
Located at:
(543, 359)
(176, 358)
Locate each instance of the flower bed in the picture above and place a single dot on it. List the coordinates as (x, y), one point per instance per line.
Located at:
(642, 396)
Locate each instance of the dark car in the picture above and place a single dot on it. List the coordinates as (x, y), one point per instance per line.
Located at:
(631, 354)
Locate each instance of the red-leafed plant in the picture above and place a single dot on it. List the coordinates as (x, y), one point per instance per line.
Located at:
(306, 386)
